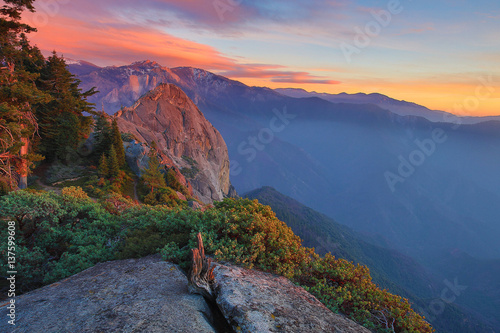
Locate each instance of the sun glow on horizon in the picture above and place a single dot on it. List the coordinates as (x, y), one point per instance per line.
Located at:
(440, 64)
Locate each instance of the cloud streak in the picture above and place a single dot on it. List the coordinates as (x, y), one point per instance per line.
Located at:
(105, 39)
(276, 74)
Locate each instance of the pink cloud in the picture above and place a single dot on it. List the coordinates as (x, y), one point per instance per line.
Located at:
(109, 41)
(106, 44)
(276, 73)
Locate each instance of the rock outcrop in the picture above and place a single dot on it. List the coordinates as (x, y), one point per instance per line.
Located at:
(137, 295)
(254, 301)
(167, 116)
(151, 295)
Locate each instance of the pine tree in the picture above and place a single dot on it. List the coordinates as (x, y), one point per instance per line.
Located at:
(152, 176)
(62, 122)
(113, 167)
(116, 139)
(172, 180)
(102, 136)
(154, 147)
(103, 166)
(18, 123)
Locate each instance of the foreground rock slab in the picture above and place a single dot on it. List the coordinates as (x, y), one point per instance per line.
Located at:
(254, 301)
(137, 295)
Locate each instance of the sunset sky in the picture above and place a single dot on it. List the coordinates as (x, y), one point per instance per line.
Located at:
(436, 53)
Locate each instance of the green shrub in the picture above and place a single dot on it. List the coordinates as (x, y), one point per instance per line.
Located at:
(250, 234)
(190, 172)
(57, 235)
(141, 243)
(175, 253)
(60, 235)
(128, 137)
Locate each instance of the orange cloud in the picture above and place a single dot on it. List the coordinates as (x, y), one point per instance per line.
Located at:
(122, 45)
(108, 41)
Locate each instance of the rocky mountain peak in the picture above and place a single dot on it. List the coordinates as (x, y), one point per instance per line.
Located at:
(167, 116)
(146, 64)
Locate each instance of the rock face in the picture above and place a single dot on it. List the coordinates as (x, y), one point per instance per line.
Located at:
(151, 295)
(124, 85)
(137, 295)
(254, 301)
(168, 117)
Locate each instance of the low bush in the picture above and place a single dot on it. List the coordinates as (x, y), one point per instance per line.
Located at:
(60, 235)
(56, 235)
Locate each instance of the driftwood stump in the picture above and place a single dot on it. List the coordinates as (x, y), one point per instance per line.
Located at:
(201, 275)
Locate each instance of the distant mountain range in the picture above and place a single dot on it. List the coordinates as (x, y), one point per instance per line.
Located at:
(342, 159)
(392, 270)
(402, 108)
(428, 189)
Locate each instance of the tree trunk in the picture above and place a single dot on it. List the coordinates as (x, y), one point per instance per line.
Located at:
(23, 170)
(201, 276)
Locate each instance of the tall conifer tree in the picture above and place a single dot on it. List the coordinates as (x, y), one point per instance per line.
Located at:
(63, 123)
(102, 135)
(152, 176)
(18, 94)
(117, 141)
(113, 167)
(103, 166)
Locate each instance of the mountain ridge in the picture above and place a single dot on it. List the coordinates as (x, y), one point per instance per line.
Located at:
(378, 99)
(400, 107)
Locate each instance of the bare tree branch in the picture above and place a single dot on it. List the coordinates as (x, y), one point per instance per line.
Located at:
(201, 276)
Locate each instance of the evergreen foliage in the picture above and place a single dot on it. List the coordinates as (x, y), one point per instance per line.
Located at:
(163, 196)
(152, 176)
(103, 167)
(117, 142)
(57, 235)
(18, 94)
(102, 136)
(41, 107)
(113, 166)
(63, 125)
(172, 182)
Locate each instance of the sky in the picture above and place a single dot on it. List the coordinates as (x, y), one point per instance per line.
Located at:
(443, 54)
